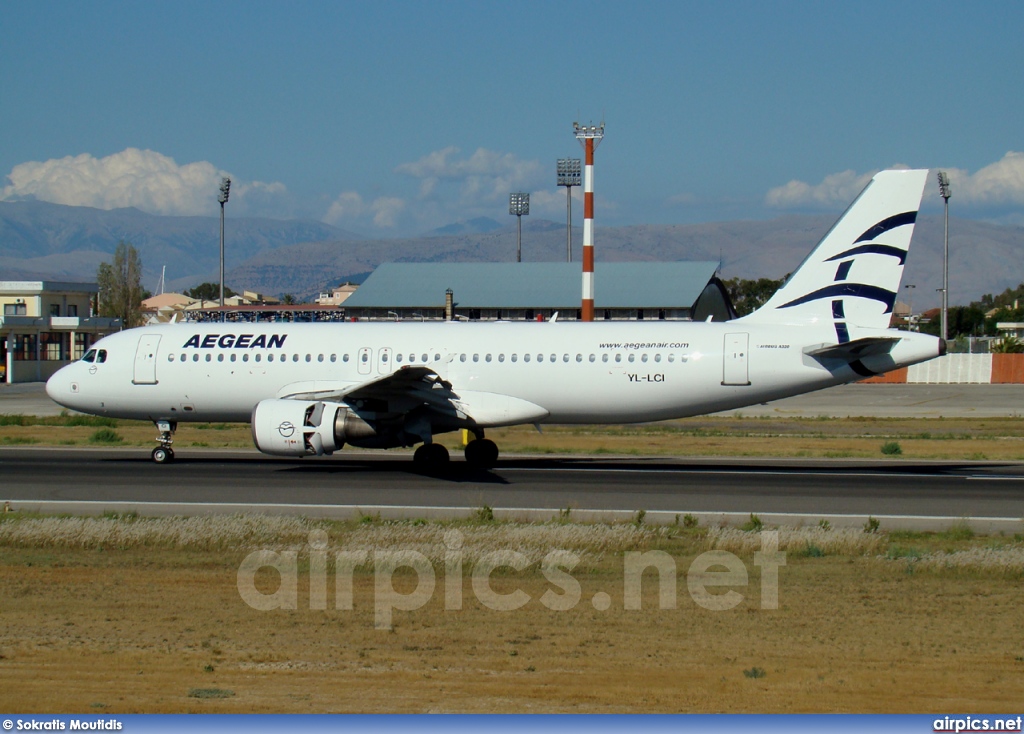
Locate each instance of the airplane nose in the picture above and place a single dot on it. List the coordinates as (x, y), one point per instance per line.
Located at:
(61, 386)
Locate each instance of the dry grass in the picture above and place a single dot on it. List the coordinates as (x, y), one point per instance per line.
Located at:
(137, 627)
(959, 439)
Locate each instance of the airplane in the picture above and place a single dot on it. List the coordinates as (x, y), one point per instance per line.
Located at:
(307, 389)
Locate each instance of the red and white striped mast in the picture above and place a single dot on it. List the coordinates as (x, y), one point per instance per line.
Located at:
(589, 137)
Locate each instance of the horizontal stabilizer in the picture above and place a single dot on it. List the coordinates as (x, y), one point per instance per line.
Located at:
(858, 349)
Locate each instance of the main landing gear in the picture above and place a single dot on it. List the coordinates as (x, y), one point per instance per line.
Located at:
(163, 453)
(481, 453)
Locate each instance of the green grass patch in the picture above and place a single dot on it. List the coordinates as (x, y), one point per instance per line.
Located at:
(106, 436)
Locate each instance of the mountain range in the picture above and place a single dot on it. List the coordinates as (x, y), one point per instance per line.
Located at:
(39, 240)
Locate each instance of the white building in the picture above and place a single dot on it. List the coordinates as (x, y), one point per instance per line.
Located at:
(45, 325)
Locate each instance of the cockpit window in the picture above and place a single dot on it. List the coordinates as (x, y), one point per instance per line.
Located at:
(101, 356)
(89, 356)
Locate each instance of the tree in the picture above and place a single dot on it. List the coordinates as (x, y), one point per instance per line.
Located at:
(288, 299)
(209, 292)
(120, 286)
(749, 295)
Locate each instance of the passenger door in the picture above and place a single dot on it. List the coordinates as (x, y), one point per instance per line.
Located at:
(145, 360)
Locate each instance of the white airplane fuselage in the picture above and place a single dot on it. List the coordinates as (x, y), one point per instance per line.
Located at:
(574, 372)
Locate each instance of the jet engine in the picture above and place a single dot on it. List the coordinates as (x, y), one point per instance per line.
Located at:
(304, 427)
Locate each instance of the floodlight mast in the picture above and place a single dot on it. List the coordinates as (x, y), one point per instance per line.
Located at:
(945, 191)
(519, 205)
(222, 198)
(589, 136)
(568, 175)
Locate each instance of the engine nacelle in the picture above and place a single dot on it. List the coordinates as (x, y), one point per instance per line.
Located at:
(306, 427)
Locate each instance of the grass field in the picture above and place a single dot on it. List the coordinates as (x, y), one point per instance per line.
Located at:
(956, 439)
(126, 614)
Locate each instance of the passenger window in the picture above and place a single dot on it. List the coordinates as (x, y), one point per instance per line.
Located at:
(604, 357)
(89, 356)
(245, 357)
(501, 357)
(437, 357)
(258, 357)
(170, 357)
(209, 357)
(487, 358)
(565, 357)
(383, 357)
(320, 358)
(579, 357)
(344, 358)
(554, 358)
(424, 359)
(398, 358)
(526, 357)
(632, 358)
(514, 357)
(476, 357)
(220, 357)
(295, 358)
(270, 357)
(657, 357)
(364, 358)
(643, 358)
(195, 357)
(234, 357)
(184, 357)
(618, 357)
(593, 358)
(462, 357)
(309, 357)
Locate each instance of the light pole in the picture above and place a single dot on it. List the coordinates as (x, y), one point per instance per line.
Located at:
(910, 306)
(945, 192)
(519, 205)
(569, 175)
(225, 191)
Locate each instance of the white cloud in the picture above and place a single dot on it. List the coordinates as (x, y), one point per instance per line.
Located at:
(349, 209)
(835, 190)
(1001, 182)
(998, 183)
(485, 177)
(144, 179)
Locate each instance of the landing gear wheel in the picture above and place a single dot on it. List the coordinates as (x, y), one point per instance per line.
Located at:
(482, 453)
(431, 455)
(163, 453)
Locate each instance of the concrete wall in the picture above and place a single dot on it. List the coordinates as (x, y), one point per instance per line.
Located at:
(978, 369)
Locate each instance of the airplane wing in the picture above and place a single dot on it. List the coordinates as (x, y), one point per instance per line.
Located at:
(401, 391)
(857, 349)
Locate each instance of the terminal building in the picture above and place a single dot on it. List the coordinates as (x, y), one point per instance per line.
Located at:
(45, 325)
(532, 291)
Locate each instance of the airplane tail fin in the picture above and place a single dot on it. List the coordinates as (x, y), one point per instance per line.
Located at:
(852, 277)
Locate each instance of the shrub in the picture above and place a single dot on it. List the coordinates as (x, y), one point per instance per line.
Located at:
(754, 524)
(106, 435)
(892, 448)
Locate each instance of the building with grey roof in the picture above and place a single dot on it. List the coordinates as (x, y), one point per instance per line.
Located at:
(518, 291)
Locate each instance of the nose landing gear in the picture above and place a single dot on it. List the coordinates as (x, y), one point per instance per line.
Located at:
(163, 453)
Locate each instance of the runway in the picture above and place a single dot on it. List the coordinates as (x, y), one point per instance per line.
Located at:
(529, 488)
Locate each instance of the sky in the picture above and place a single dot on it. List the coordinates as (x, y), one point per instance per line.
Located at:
(390, 119)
